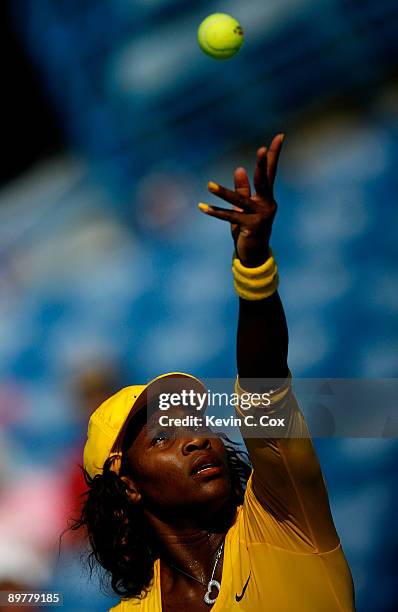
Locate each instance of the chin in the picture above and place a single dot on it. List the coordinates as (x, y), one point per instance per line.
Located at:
(213, 494)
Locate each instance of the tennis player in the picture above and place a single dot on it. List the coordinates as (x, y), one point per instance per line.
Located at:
(184, 523)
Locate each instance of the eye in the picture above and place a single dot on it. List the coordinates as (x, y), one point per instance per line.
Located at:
(160, 436)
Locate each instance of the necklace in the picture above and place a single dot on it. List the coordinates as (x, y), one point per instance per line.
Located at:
(212, 583)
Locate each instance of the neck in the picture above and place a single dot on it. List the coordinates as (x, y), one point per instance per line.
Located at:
(190, 546)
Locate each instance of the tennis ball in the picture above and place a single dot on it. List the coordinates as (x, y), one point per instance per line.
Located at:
(220, 36)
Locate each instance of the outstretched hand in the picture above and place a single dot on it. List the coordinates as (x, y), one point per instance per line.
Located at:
(252, 215)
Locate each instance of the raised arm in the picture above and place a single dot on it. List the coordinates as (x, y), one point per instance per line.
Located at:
(287, 480)
(262, 338)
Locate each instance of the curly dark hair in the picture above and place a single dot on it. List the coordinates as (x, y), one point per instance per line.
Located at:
(118, 533)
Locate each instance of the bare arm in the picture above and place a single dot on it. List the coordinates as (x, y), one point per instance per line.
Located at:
(262, 340)
(287, 478)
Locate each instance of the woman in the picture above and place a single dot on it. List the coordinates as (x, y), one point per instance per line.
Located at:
(168, 517)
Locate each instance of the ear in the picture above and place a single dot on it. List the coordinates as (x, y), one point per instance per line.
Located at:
(132, 490)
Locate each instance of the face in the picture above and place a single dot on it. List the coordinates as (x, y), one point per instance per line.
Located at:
(178, 471)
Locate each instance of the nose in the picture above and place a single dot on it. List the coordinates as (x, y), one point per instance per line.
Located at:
(194, 444)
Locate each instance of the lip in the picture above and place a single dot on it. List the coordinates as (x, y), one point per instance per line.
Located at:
(208, 465)
(206, 472)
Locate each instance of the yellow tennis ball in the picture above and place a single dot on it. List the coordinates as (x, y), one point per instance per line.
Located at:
(220, 36)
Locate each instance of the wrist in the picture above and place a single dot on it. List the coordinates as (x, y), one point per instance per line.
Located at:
(254, 250)
(254, 260)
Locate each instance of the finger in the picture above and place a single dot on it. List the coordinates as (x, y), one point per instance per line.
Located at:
(241, 182)
(222, 213)
(260, 173)
(232, 197)
(273, 157)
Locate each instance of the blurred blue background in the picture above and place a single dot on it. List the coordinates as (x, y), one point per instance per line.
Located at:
(109, 275)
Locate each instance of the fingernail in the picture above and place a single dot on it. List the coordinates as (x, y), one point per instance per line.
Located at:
(282, 137)
(203, 207)
(213, 186)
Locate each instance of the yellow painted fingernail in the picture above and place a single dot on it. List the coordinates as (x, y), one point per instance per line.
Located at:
(282, 137)
(213, 186)
(203, 207)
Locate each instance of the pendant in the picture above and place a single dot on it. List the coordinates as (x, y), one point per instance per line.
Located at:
(212, 584)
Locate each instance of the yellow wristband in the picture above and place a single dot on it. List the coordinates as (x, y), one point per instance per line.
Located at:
(255, 283)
